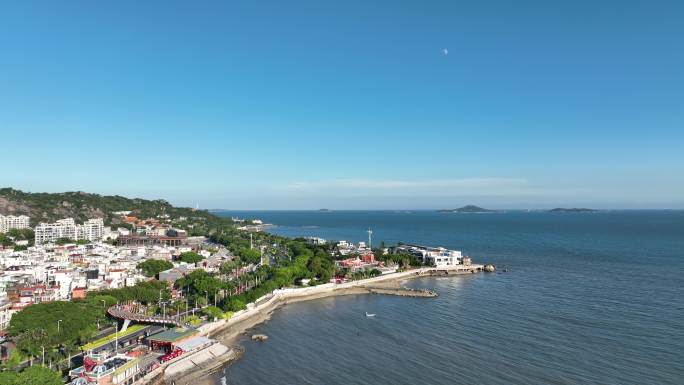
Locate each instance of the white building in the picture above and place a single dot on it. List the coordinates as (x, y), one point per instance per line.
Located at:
(8, 222)
(315, 240)
(345, 248)
(90, 230)
(443, 257)
(5, 314)
(438, 256)
(93, 230)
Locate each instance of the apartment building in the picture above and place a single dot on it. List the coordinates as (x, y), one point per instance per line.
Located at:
(8, 222)
(90, 230)
(5, 314)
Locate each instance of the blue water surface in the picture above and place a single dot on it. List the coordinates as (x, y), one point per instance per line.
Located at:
(589, 298)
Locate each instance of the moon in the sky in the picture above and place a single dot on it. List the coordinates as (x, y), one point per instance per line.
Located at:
(445, 51)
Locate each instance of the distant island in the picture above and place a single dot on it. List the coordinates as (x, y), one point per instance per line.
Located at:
(468, 209)
(572, 210)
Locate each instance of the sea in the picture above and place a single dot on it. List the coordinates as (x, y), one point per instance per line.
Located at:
(578, 298)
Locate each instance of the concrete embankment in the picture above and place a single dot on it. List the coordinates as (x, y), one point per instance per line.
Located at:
(200, 364)
(402, 292)
(196, 364)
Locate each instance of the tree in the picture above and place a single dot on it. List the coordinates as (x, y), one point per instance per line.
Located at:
(63, 241)
(190, 257)
(201, 284)
(143, 292)
(5, 240)
(249, 255)
(21, 234)
(228, 267)
(212, 312)
(31, 376)
(236, 304)
(40, 375)
(38, 325)
(9, 378)
(152, 267)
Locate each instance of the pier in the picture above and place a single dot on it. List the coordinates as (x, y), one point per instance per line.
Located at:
(401, 291)
(452, 270)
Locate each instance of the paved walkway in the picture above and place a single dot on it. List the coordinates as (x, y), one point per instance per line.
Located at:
(126, 312)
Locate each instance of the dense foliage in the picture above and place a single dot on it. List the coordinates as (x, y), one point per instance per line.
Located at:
(212, 312)
(249, 255)
(143, 292)
(404, 260)
(13, 235)
(190, 257)
(152, 267)
(33, 375)
(58, 326)
(48, 207)
(36, 327)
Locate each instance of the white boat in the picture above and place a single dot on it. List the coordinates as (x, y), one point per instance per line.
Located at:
(370, 314)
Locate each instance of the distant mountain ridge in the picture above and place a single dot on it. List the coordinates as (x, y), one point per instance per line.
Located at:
(572, 210)
(468, 209)
(49, 207)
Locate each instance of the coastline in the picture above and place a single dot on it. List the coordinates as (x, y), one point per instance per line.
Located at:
(228, 332)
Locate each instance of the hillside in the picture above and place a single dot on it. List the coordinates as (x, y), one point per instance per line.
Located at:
(48, 207)
(572, 210)
(468, 209)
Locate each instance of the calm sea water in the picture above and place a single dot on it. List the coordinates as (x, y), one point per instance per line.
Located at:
(588, 299)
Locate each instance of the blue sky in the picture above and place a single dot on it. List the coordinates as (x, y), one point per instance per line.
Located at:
(348, 104)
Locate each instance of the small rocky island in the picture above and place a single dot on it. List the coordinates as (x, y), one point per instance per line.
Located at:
(572, 210)
(468, 209)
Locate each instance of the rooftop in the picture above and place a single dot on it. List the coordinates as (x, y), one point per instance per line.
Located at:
(173, 335)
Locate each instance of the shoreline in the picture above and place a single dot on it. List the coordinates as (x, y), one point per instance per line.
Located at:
(228, 332)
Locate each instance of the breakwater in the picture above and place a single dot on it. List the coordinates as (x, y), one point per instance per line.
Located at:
(402, 292)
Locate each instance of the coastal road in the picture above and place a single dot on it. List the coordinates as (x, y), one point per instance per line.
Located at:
(124, 344)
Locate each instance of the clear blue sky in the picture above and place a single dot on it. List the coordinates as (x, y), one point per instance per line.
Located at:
(347, 104)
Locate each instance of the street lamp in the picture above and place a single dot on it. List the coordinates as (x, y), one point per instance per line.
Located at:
(206, 299)
(104, 309)
(116, 338)
(43, 347)
(58, 322)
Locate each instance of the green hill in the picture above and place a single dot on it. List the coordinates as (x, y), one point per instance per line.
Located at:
(572, 210)
(468, 209)
(48, 207)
